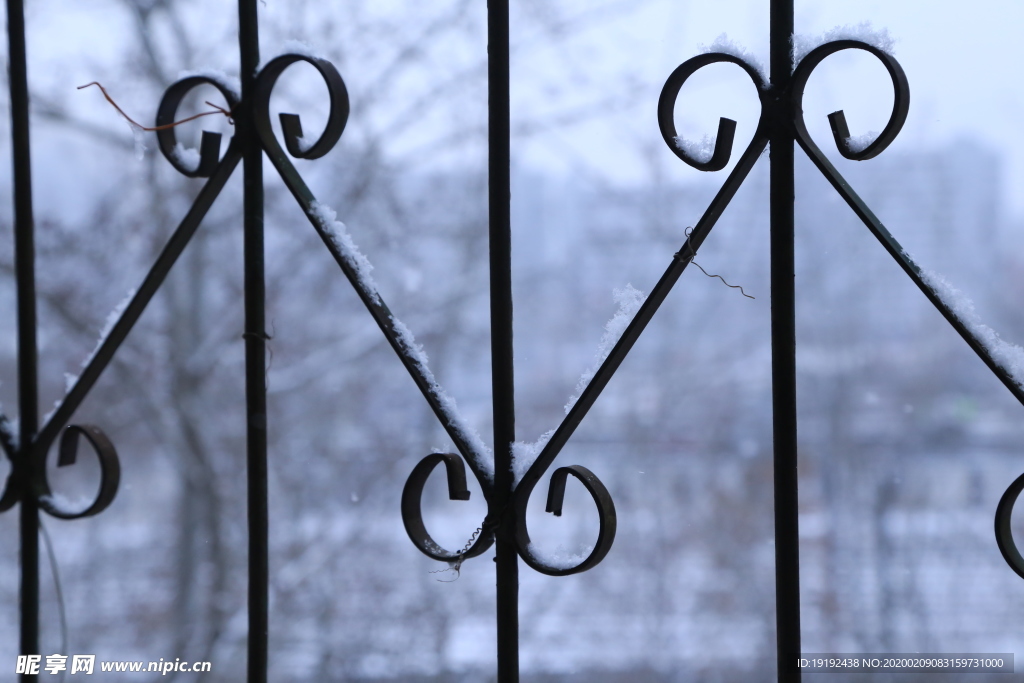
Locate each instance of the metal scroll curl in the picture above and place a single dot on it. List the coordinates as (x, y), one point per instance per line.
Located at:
(412, 515)
(1004, 535)
(726, 127)
(556, 493)
(291, 124)
(837, 119)
(209, 146)
(110, 471)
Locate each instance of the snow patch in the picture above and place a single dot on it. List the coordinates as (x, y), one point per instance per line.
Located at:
(723, 44)
(327, 218)
(108, 325)
(1008, 356)
(560, 558)
(140, 140)
(66, 504)
(630, 300)
(187, 158)
(480, 453)
(864, 32)
(229, 83)
(10, 429)
(46, 418)
(115, 315)
(700, 152)
(525, 454)
(299, 47)
(859, 143)
(294, 47)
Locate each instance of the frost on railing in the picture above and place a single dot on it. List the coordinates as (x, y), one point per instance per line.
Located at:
(229, 83)
(859, 143)
(336, 230)
(630, 300)
(70, 379)
(698, 151)
(481, 454)
(525, 453)
(327, 219)
(726, 46)
(10, 430)
(108, 325)
(139, 137)
(560, 558)
(189, 158)
(1009, 356)
(292, 47)
(62, 502)
(864, 32)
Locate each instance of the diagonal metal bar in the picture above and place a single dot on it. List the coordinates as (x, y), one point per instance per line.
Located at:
(599, 494)
(133, 311)
(643, 316)
(905, 262)
(375, 304)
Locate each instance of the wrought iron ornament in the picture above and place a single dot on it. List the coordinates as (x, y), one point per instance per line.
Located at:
(780, 124)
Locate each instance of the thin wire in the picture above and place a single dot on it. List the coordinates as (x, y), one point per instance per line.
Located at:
(57, 589)
(457, 567)
(688, 230)
(218, 110)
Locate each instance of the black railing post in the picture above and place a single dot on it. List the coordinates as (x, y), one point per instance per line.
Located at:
(784, 424)
(255, 347)
(28, 392)
(502, 378)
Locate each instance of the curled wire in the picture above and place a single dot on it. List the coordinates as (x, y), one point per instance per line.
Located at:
(457, 565)
(688, 231)
(412, 515)
(217, 110)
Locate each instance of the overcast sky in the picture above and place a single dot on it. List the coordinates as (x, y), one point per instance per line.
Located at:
(962, 61)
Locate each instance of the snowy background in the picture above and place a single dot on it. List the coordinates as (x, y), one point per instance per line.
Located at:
(906, 441)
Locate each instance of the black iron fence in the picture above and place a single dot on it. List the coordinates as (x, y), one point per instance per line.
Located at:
(507, 478)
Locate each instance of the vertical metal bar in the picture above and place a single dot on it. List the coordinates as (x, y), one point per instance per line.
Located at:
(502, 378)
(255, 348)
(28, 394)
(787, 542)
